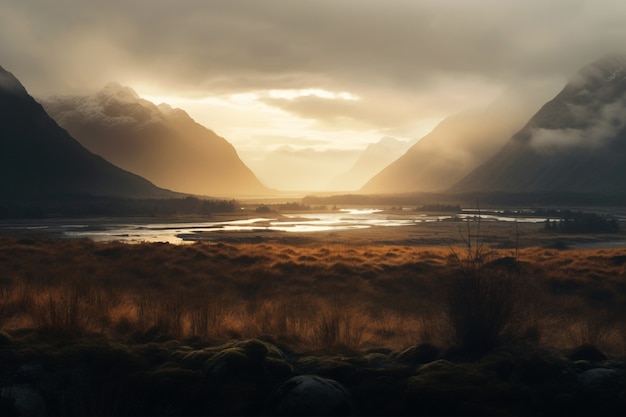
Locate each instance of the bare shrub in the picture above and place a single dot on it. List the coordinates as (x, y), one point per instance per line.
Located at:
(483, 302)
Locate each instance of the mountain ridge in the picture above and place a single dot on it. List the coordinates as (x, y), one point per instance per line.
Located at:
(159, 142)
(458, 144)
(374, 158)
(40, 159)
(576, 142)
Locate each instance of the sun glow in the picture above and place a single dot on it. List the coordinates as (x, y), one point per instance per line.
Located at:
(258, 122)
(292, 94)
(246, 117)
(249, 98)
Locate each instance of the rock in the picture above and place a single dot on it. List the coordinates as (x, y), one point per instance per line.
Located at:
(338, 367)
(278, 368)
(597, 377)
(6, 339)
(26, 400)
(196, 358)
(438, 365)
(581, 365)
(586, 352)
(600, 393)
(310, 395)
(35, 374)
(255, 350)
(420, 354)
(375, 359)
(227, 363)
(507, 263)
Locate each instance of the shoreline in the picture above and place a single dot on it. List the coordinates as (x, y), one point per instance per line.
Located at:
(498, 234)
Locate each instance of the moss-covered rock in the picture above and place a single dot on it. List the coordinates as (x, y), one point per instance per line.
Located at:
(445, 388)
(310, 395)
(334, 367)
(420, 354)
(586, 352)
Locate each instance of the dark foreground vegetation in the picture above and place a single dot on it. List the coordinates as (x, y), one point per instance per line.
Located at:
(578, 222)
(270, 329)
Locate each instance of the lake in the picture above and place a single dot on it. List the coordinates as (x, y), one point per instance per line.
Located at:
(178, 232)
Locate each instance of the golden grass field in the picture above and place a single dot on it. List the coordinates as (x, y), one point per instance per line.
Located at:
(330, 292)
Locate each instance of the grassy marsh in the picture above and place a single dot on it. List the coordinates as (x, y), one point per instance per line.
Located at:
(216, 328)
(320, 296)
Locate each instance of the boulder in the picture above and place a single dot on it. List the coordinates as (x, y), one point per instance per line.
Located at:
(26, 401)
(597, 377)
(420, 354)
(587, 352)
(310, 395)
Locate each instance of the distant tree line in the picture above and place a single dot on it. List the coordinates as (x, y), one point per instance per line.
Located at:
(106, 206)
(498, 199)
(455, 208)
(270, 208)
(578, 222)
(363, 200)
(502, 199)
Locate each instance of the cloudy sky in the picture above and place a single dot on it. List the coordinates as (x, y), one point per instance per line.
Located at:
(318, 73)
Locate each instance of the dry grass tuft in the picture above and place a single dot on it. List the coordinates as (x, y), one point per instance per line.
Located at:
(326, 297)
(340, 328)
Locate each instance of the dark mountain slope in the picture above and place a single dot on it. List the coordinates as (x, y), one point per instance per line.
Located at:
(160, 143)
(40, 159)
(575, 143)
(453, 148)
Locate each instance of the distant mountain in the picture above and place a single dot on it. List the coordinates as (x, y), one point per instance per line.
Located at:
(453, 148)
(305, 169)
(373, 159)
(160, 143)
(40, 159)
(575, 143)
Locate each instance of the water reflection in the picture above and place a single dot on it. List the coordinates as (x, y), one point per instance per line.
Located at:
(180, 232)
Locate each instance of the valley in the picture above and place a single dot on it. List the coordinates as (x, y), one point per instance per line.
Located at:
(501, 228)
(404, 239)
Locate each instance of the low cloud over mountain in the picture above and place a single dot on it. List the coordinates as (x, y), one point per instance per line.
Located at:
(576, 142)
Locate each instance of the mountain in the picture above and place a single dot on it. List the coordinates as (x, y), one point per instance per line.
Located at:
(453, 148)
(576, 142)
(40, 159)
(160, 143)
(373, 159)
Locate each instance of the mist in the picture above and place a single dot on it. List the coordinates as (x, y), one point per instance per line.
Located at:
(408, 64)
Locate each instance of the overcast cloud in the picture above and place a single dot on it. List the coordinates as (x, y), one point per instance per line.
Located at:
(405, 60)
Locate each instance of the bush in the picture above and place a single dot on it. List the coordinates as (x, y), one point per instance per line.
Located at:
(483, 300)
